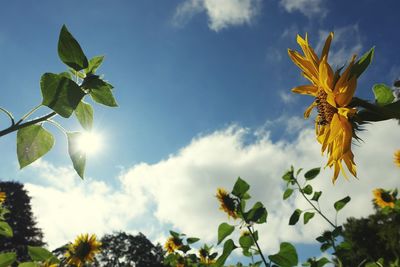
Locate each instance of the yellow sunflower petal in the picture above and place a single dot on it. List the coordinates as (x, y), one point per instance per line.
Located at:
(327, 45)
(309, 109)
(306, 90)
(325, 76)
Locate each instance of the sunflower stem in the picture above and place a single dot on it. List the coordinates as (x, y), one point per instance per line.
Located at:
(258, 247)
(316, 209)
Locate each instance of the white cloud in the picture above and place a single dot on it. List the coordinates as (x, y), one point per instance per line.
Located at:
(309, 8)
(181, 189)
(221, 14)
(287, 98)
(347, 41)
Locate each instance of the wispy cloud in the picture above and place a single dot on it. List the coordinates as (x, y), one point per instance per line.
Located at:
(179, 192)
(221, 14)
(309, 8)
(346, 42)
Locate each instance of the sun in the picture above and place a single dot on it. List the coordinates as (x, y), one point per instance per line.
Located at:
(90, 142)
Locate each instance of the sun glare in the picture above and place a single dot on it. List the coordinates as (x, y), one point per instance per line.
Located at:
(90, 142)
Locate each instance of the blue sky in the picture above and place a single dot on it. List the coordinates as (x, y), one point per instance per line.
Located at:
(192, 78)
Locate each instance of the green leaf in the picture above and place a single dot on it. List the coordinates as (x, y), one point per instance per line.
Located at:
(94, 64)
(29, 264)
(383, 94)
(70, 52)
(100, 91)
(229, 246)
(77, 156)
(321, 262)
(286, 257)
(224, 230)
(257, 214)
(325, 247)
(5, 229)
(316, 195)
(240, 188)
(288, 192)
(344, 246)
(192, 240)
(32, 143)
(295, 217)
(6, 259)
(60, 93)
(246, 241)
(84, 114)
(288, 176)
(41, 254)
(341, 203)
(184, 249)
(361, 65)
(174, 234)
(311, 174)
(307, 216)
(307, 190)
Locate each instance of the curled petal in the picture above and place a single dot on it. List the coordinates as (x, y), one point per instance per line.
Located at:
(306, 90)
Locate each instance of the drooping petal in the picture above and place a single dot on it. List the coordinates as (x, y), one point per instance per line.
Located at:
(306, 90)
(348, 158)
(309, 109)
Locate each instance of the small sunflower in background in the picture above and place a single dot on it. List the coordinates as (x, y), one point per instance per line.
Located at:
(384, 198)
(397, 158)
(205, 257)
(228, 203)
(172, 244)
(82, 250)
(2, 197)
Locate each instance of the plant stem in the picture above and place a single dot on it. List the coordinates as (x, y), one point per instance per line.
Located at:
(28, 114)
(20, 125)
(258, 247)
(9, 115)
(309, 201)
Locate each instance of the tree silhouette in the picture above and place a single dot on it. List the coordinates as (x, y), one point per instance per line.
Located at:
(372, 238)
(21, 220)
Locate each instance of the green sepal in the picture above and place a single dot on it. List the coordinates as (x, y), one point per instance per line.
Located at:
(32, 143)
(70, 52)
(77, 156)
(361, 65)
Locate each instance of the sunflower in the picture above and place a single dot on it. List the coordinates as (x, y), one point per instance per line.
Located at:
(2, 197)
(333, 93)
(228, 204)
(397, 158)
(383, 198)
(82, 250)
(204, 254)
(172, 244)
